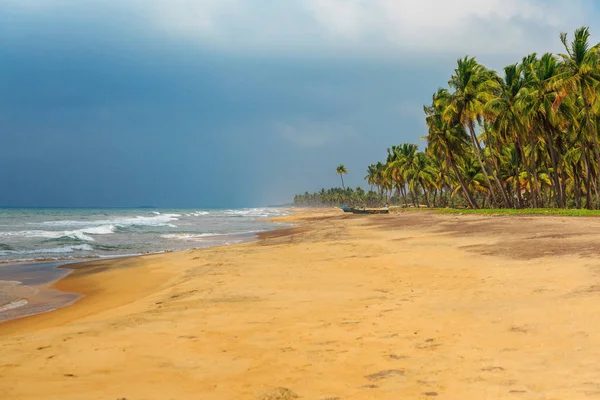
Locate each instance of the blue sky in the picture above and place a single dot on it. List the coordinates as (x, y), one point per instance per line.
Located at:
(233, 103)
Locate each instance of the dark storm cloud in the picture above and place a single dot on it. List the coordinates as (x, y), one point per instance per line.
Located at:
(102, 104)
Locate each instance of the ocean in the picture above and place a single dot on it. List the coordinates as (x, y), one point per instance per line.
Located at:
(35, 241)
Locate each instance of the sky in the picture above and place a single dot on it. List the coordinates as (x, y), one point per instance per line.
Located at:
(234, 103)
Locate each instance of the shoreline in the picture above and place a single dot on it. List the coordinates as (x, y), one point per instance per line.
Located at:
(361, 307)
(72, 266)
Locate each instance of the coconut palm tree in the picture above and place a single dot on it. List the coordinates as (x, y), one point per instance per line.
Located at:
(419, 173)
(371, 176)
(474, 86)
(341, 171)
(447, 140)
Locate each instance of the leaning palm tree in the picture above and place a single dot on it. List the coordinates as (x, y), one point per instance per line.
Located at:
(447, 140)
(341, 171)
(474, 86)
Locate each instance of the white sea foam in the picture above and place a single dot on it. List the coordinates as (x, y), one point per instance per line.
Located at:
(53, 250)
(99, 230)
(257, 212)
(80, 234)
(197, 214)
(201, 236)
(97, 227)
(190, 236)
(68, 235)
(156, 220)
(13, 305)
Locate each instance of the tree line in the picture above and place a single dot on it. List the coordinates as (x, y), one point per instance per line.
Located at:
(523, 138)
(336, 197)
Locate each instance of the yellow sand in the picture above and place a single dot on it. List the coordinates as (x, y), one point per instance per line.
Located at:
(405, 306)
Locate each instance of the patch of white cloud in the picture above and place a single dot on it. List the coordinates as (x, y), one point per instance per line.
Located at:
(389, 28)
(378, 27)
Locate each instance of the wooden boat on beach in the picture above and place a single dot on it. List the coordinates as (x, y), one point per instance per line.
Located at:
(346, 208)
(370, 210)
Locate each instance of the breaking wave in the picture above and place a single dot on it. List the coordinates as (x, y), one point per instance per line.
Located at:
(54, 250)
(200, 236)
(68, 234)
(257, 212)
(13, 305)
(98, 227)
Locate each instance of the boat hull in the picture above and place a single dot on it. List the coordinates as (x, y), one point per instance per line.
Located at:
(370, 211)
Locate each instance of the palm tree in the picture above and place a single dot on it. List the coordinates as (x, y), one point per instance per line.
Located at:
(371, 176)
(397, 165)
(447, 140)
(419, 172)
(341, 170)
(473, 86)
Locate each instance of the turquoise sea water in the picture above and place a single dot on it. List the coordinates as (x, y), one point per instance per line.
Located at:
(33, 242)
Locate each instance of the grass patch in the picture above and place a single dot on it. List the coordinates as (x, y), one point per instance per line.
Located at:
(524, 211)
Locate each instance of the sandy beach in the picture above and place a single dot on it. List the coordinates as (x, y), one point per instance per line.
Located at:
(413, 305)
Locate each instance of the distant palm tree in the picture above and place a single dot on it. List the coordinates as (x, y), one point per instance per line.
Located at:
(371, 176)
(341, 170)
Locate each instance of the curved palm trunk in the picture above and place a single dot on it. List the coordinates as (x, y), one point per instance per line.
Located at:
(425, 194)
(403, 190)
(554, 159)
(533, 184)
(496, 170)
(518, 189)
(519, 151)
(591, 132)
(342, 178)
(576, 186)
(588, 177)
(478, 153)
(466, 192)
(412, 194)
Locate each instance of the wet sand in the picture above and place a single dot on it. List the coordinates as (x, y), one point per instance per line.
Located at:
(26, 288)
(414, 305)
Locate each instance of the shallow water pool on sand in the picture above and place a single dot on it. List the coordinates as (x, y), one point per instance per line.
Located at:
(24, 289)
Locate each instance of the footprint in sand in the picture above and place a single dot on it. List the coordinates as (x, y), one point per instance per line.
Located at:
(492, 369)
(279, 393)
(518, 391)
(397, 357)
(388, 373)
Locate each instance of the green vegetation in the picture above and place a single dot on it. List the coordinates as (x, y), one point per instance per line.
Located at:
(524, 211)
(526, 138)
(337, 197)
